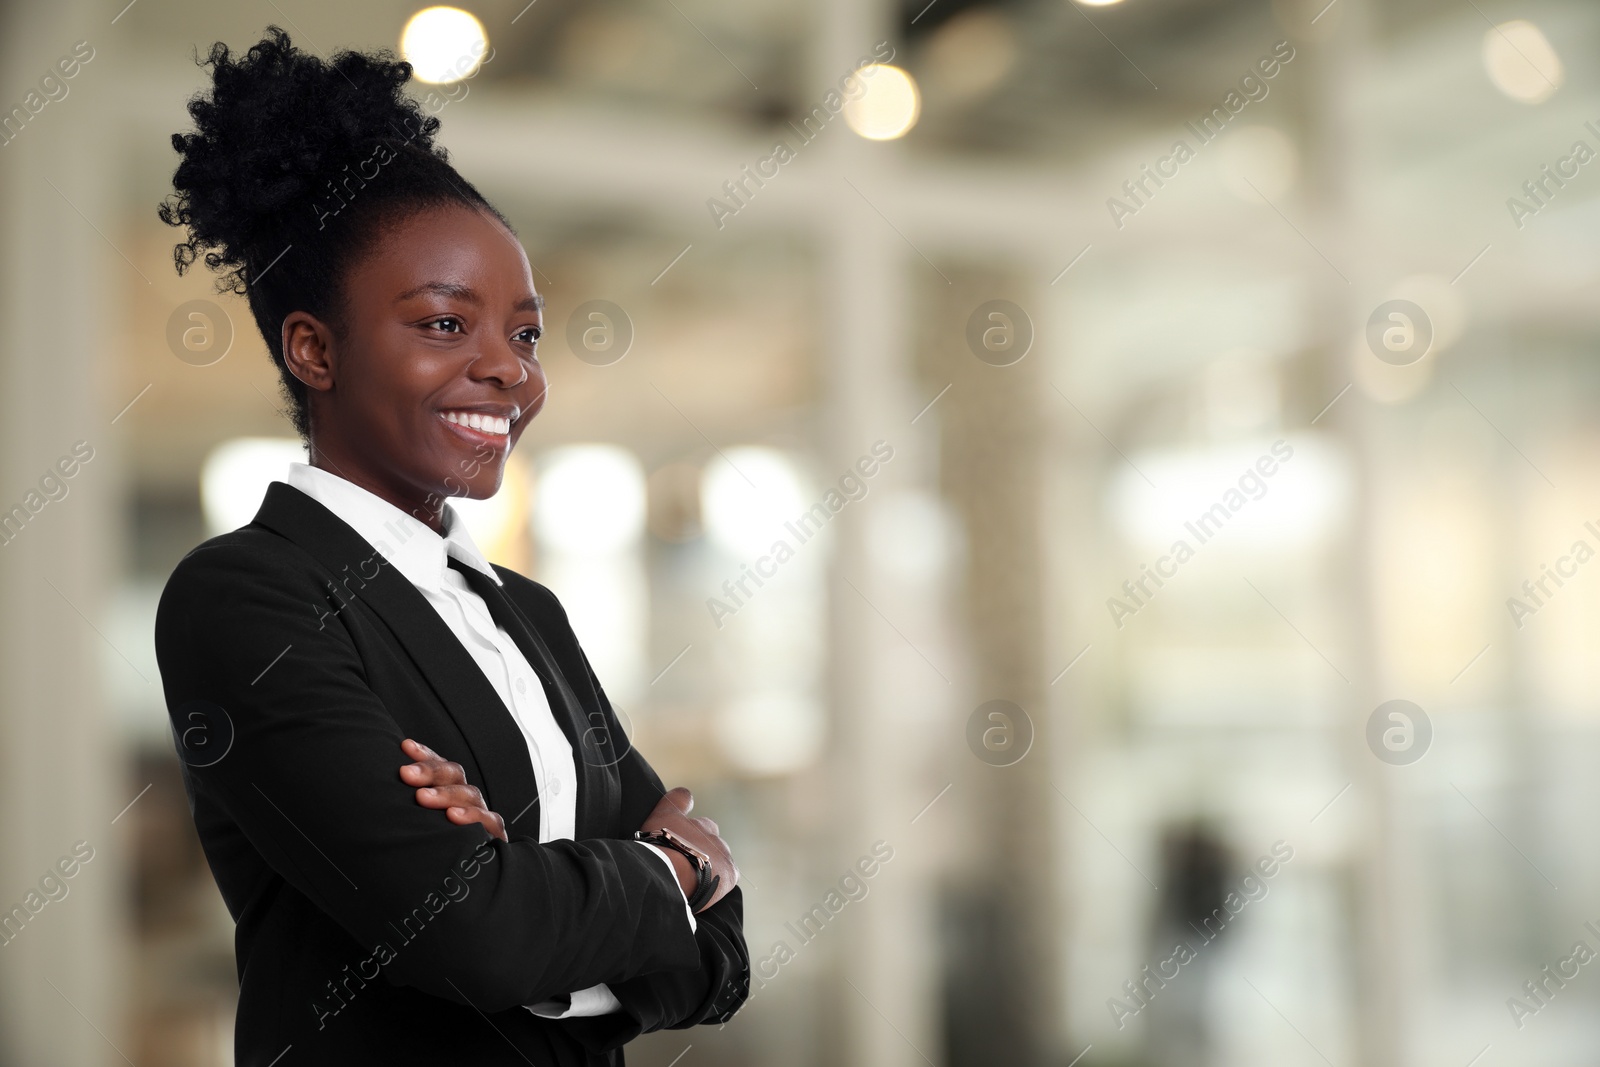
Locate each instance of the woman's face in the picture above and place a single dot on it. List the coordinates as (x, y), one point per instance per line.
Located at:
(441, 325)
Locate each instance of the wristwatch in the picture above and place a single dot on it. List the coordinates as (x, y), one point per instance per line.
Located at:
(705, 882)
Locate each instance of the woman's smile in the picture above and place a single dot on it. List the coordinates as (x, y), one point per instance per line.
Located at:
(482, 425)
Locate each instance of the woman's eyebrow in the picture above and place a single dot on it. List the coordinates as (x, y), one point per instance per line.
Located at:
(469, 294)
(460, 292)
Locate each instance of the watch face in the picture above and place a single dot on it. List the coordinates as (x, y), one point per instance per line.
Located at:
(704, 859)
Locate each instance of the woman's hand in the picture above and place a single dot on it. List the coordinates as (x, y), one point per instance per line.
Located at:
(442, 784)
(672, 813)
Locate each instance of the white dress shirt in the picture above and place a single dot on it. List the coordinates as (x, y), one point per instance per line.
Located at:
(420, 554)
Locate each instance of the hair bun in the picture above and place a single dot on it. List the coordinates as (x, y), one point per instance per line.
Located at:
(274, 130)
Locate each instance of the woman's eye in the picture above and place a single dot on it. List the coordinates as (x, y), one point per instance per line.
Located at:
(535, 333)
(447, 319)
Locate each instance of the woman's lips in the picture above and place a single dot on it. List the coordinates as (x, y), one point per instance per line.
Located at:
(477, 437)
(479, 419)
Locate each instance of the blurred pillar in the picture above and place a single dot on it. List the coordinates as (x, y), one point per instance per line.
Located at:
(993, 473)
(884, 993)
(60, 780)
(1335, 147)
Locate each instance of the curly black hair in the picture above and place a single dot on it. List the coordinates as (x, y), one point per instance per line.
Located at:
(296, 167)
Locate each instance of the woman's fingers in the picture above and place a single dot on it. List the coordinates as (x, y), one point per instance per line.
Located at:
(467, 816)
(458, 796)
(490, 820)
(417, 750)
(434, 772)
(442, 785)
(493, 823)
(430, 768)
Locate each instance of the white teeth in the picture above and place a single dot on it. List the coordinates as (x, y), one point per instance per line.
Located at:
(483, 423)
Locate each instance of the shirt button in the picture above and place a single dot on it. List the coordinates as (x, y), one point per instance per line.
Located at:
(555, 787)
(522, 686)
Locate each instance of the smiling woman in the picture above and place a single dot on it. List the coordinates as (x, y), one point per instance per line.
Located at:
(405, 329)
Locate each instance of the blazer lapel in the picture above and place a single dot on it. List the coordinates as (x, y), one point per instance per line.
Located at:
(497, 744)
(598, 791)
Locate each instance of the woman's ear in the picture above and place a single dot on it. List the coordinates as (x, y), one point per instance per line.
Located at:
(308, 350)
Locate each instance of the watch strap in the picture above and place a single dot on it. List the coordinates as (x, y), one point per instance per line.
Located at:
(705, 886)
(705, 882)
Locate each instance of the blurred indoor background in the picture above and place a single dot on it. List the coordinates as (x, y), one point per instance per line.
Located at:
(1124, 488)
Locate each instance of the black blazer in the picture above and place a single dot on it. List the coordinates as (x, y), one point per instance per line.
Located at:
(294, 659)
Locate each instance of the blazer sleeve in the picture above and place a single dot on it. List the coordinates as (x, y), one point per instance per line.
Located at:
(678, 999)
(310, 776)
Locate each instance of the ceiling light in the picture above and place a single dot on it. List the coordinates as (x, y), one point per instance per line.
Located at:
(443, 44)
(889, 107)
(1521, 62)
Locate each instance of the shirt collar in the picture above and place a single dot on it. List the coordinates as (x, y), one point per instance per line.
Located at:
(414, 549)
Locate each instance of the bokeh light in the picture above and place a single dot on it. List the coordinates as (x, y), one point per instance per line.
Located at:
(444, 44)
(889, 107)
(589, 499)
(1522, 62)
(235, 476)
